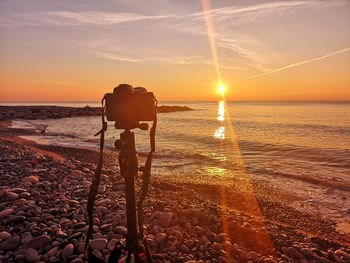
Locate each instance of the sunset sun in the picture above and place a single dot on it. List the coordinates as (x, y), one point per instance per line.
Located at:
(222, 90)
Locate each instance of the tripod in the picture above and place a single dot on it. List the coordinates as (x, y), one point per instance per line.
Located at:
(136, 245)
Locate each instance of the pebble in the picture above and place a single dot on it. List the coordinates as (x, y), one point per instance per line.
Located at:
(10, 243)
(97, 254)
(30, 179)
(122, 230)
(184, 249)
(53, 251)
(12, 196)
(31, 255)
(165, 218)
(68, 251)
(99, 243)
(160, 237)
(4, 235)
(78, 174)
(341, 253)
(38, 242)
(6, 213)
(53, 207)
(252, 255)
(292, 252)
(26, 237)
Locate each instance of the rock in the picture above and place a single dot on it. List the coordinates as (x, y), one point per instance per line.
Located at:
(252, 255)
(52, 252)
(78, 174)
(26, 237)
(12, 196)
(31, 255)
(307, 252)
(4, 235)
(61, 234)
(293, 253)
(342, 254)
(189, 243)
(98, 243)
(30, 179)
(160, 237)
(216, 246)
(38, 242)
(165, 218)
(17, 219)
(112, 243)
(101, 189)
(269, 260)
(68, 251)
(79, 225)
(121, 230)
(6, 212)
(184, 249)
(10, 244)
(3, 192)
(97, 254)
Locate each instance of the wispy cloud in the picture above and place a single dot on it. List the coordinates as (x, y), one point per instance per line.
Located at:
(242, 47)
(299, 63)
(66, 18)
(162, 60)
(228, 21)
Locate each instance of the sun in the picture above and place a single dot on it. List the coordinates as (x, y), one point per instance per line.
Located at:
(222, 89)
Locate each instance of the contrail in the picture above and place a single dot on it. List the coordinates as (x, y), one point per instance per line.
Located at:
(298, 63)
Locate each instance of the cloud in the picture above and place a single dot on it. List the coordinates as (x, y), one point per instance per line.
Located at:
(66, 18)
(298, 63)
(228, 22)
(243, 48)
(162, 60)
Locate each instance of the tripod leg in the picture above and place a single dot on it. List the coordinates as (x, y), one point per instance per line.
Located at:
(147, 251)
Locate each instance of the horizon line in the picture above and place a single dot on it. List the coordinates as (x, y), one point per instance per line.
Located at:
(97, 101)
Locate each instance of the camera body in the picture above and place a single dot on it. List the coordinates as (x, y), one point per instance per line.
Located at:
(127, 106)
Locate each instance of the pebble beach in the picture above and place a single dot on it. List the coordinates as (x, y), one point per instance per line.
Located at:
(43, 194)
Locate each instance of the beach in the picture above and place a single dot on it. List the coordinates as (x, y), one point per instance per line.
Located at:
(43, 212)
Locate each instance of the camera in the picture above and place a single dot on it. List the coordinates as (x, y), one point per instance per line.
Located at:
(127, 106)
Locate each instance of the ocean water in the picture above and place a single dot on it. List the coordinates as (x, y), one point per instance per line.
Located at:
(300, 147)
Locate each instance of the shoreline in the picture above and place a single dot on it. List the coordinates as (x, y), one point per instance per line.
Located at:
(221, 219)
(58, 112)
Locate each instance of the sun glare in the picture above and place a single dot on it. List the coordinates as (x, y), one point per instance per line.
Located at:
(221, 89)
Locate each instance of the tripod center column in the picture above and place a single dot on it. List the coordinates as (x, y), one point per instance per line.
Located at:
(128, 161)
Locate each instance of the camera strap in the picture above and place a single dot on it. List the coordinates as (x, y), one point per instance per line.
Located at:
(146, 174)
(95, 182)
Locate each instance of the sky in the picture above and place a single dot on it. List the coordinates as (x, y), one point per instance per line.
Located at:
(180, 50)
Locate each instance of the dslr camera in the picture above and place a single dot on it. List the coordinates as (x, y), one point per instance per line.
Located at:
(127, 106)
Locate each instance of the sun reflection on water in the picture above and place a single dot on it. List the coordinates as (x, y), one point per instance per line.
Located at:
(216, 171)
(219, 133)
(221, 111)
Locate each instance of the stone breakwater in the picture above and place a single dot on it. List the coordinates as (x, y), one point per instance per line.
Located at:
(43, 219)
(57, 112)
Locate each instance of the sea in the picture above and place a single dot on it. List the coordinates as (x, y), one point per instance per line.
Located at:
(299, 147)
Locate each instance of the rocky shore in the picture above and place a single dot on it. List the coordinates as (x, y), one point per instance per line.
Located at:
(57, 112)
(43, 197)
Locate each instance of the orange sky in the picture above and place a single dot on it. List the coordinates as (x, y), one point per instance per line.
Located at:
(265, 50)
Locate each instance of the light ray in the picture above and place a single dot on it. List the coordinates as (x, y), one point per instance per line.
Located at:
(211, 36)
